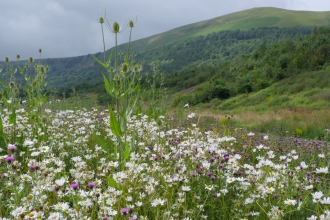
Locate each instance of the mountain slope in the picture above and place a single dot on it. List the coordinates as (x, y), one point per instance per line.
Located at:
(243, 20)
(235, 34)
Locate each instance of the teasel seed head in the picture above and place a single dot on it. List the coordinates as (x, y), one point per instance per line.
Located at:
(18, 56)
(131, 23)
(101, 20)
(41, 68)
(30, 59)
(115, 27)
(40, 50)
(6, 59)
(124, 67)
(137, 68)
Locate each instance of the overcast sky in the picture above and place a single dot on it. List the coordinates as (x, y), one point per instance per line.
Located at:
(66, 28)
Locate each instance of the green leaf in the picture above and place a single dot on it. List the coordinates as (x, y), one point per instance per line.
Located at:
(123, 123)
(2, 137)
(12, 117)
(127, 152)
(21, 70)
(114, 124)
(43, 99)
(4, 100)
(107, 85)
(102, 143)
(113, 183)
(105, 65)
(139, 111)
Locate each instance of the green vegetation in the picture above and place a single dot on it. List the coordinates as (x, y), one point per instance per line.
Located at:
(60, 160)
(296, 65)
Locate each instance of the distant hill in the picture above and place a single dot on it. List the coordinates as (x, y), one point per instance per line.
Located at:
(216, 40)
(242, 20)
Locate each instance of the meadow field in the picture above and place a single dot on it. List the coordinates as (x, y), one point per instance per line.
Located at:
(61, 160)
(66, 166)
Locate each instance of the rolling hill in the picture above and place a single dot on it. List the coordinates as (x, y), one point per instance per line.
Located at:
(216, 40)
(242, 20)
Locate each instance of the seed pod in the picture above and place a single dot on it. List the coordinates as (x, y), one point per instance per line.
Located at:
(6, 59)
(101, 20)
(42, 69)
(115, 27)
(18, 56)
(124, 68)
(131, 24)
(137, 68)
(30, 59)
(40, 50)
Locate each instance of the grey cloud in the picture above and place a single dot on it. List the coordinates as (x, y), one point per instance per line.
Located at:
(69, 28)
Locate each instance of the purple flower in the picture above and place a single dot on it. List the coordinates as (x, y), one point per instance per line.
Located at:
(12, 148)
(91, 185)
(74, 185)
(212, 159)
(124, 211)
(221, 165)
(9, 159)
(33, 167)
(212, 178)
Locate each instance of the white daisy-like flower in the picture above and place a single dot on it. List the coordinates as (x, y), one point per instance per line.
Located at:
(209, 187)
(323, 170)
(60, 182)
(290, 202)
(186, 188)
(157, 202)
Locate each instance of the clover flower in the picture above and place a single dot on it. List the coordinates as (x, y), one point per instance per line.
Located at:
(12, 148)
(9, 159)
(74, 185)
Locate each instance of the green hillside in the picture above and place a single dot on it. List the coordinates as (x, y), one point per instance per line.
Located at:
(183, 49)
(243, 20)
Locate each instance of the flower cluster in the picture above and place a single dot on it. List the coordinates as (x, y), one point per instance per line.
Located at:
(68, 168)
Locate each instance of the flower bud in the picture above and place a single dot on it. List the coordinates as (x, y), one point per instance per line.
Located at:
(6, 59)
(101, 20)
(124, 68)
(115, 27)
(30, 59)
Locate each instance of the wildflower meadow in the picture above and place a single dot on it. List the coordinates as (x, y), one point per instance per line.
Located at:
(121, 162)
